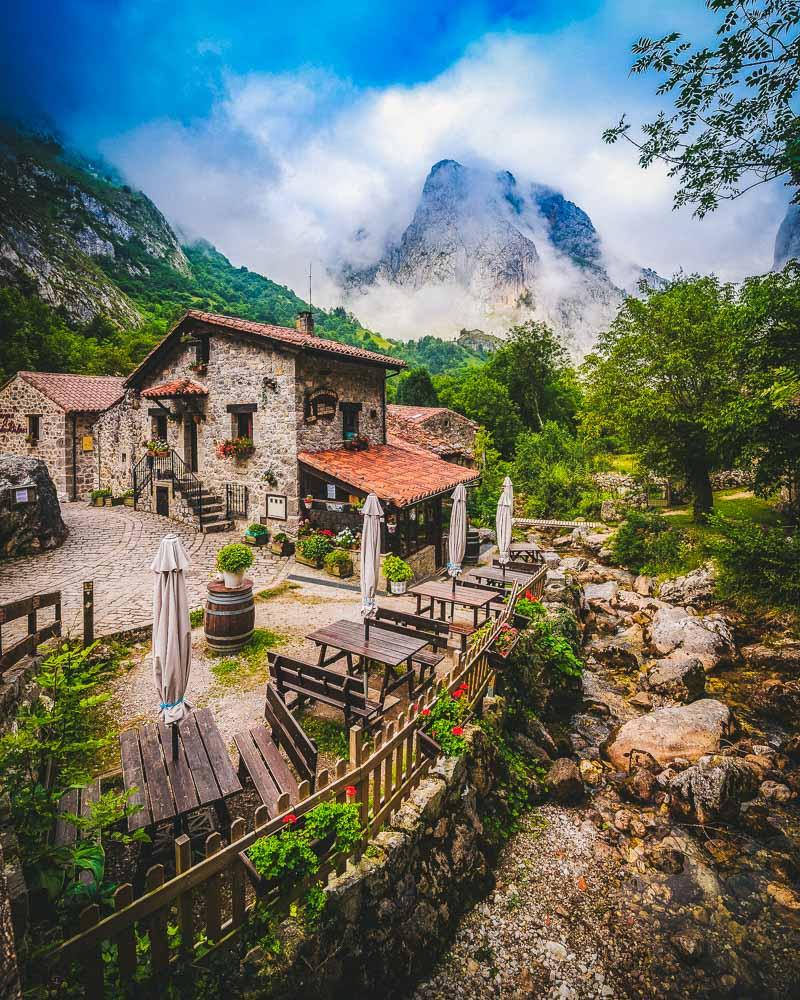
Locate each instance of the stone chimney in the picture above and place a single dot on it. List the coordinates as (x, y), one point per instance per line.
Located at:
(305, 323)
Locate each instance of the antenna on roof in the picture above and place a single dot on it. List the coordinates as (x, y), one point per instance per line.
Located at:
(309, 286)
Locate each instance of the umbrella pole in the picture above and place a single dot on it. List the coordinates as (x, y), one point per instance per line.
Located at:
(174, 728)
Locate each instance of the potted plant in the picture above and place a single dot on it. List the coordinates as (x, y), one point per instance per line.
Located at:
(157, 447)
(339, 563)
(281, 544)
(256, 534)
(289, 859)
(345, 539)
(398, 573)
(99, 497)
(309, 500)
(312, 549)
(233, 560)
(127, 498)
(240, 448)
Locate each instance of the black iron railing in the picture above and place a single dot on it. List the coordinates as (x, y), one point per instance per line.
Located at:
(141, 476)
(167, 466)
(235, 500)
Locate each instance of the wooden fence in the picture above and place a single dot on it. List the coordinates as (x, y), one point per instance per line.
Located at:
(383, 780)
(36, 633)
(537, 522)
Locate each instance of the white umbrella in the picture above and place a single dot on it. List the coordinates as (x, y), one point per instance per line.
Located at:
(457, 538)
(372, 513)
(505, 514)
(172, 631)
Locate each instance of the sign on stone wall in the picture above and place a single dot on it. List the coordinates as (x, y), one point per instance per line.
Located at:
(9, 426)
(276, 506)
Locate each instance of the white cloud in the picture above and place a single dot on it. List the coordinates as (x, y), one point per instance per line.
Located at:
(288, 168)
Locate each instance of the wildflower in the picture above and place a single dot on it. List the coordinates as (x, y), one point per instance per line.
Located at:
(457, 731)
(350, 791)
(425, 711)
(458, 694)
(290, 818)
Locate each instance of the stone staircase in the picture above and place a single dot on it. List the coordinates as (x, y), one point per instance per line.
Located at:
(207, 505)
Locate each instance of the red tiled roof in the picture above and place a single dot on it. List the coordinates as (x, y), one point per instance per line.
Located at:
(77, 393)
(419, 414)
(395, 474)
(282, 334)
(177, 387)
(411, 435)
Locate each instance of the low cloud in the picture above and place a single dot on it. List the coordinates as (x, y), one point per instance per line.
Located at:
(299, 168)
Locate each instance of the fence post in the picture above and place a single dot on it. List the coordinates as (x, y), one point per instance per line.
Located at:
(183, 862)
(362, 788)
(92, 958)
(88, 612)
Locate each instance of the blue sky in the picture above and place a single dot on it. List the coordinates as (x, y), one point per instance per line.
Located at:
(279, 130)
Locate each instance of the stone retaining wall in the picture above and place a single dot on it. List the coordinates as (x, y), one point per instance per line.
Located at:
(387, 920)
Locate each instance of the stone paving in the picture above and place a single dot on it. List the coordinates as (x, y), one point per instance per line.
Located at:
(114, 546)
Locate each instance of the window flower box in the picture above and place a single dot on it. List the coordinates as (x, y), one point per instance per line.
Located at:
(338, 563)
(281, 545)
(356, 444)
(240, 448)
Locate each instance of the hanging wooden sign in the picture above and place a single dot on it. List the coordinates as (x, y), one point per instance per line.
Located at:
(321, 404)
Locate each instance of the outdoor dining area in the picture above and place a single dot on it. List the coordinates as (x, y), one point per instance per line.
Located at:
(370, 669)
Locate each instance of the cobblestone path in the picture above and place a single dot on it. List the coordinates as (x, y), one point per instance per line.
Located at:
(114, 546)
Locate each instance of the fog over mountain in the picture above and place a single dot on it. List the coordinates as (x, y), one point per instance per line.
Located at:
(486, 250)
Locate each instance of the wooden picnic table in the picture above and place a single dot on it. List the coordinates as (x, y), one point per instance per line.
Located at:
(167, 788)
(525, 552)
(368, 642)
(496, 575)
(442, 592)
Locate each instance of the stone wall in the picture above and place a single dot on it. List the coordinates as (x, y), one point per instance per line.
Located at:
(18, 400)
(352, 383)
(388, 918)
(452, 427)
(30, 527)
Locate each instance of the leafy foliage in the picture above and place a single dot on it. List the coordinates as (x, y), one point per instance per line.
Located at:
(446, 718)
(234, 558)
(756, 562)
(415, 388)
(315, 547)
(397, 570)
(646, 543)
(552, 473)
(735, 123)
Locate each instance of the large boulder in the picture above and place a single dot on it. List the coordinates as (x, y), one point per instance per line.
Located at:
(695, 588)
(779, 699)
(714, 788)
(683, 731)
(30, 527)
(708, 638)
(564, 781)
(783, 655)
(678, 676)
(623, 651)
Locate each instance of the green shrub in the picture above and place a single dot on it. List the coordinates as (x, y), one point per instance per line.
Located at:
(445, 724)
(100, 494)
(552, 473)
(755, 562)
(196, 617)
(397, 570)
(234, 558)
(645, 543)
(338, 558)
(529, 608)
(315, 547)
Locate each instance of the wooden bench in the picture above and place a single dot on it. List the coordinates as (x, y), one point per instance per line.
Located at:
(260, 756)
(75, 802)
(342, 691)
(434, 632)
(519, 567)
(463, 631)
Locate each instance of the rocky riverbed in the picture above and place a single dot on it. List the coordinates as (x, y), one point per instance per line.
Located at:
(667, 861)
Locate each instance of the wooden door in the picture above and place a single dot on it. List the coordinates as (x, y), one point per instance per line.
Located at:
(162, 500)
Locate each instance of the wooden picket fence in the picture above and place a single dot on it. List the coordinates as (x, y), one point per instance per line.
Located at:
(383, 781)
(35, 632)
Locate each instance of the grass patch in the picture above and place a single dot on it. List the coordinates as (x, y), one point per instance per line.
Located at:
(625, 465)
(250, 666)
(277, 591)
(330, 736)
(735, 503)
(196, 617)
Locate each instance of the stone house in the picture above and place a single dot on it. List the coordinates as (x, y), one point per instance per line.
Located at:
(51, 417)
(435, 429)
(269, 423)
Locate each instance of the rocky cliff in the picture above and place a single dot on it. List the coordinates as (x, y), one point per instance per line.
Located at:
(67, 229)
(787, 242)
(512, 250)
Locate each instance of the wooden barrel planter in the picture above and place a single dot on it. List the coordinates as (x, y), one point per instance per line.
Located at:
(473, 549)
(230, 616)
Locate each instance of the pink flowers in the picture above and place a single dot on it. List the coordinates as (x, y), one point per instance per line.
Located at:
(290, 818)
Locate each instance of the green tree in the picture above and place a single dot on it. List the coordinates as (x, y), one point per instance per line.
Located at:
(482, 500)
(552, 470)
(764, 420)
(485, 401)
(734, 123)
(415, 388)
(664, 373)
(536, 370)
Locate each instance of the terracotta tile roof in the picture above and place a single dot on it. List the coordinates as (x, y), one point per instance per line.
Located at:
(395, 474)
(419, 414)
(405, 432)
(282, 334)
(177, 387)
(77, 393)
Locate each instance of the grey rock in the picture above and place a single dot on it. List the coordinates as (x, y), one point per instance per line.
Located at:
(601, 593)
(678, 676)
(714, 788)
(778, 699)
(29, 528)
(696, 588)
(643, 585)
(783, 654)
(708, 638)
(564, 781)
(668, 734)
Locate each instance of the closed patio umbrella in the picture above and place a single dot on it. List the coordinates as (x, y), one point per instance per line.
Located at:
(457, 538)
(172, 632)
(505, 515)
(370, 563)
